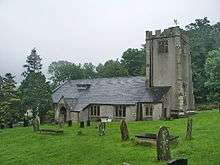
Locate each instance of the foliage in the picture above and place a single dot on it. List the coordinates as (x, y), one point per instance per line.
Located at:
(33, 62)
(63, 70)
(35, 90)
(111, 68)
(90, 148)
(9, 100)
(212, 68)
(203, 38)
(36, 93)
(134, 60)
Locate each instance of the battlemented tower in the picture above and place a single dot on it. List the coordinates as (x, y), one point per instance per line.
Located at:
(168, 63)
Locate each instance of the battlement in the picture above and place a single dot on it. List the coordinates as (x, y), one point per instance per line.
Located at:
(166, 33)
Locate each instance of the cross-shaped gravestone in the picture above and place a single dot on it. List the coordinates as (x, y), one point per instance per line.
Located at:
(124, 130)
(189, 129)
(163, 148)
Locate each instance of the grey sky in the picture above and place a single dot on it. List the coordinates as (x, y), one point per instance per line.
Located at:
(87, 30)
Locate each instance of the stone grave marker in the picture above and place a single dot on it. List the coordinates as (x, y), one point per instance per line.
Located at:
(70, 123)
(102, 127)
(82, 124)
(163, 148)
(124, 130)
(189, 129)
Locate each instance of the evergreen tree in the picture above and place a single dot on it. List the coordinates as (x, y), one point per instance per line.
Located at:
(9, 101)
(33, 62)
(35, 90)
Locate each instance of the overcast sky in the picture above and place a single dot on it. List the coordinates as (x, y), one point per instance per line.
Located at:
(87, 30)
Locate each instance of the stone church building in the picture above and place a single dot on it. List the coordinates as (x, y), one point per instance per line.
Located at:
(167, 88)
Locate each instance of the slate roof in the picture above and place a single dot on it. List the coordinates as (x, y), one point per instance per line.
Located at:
(120, 90)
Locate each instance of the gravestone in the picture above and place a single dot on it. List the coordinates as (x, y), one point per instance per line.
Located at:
(102, 127)
(88, 123)
(124, 130)
(82, 124)
(36, 123)
(163, 148)
(189, 129)
(178, 162)
(70, 123)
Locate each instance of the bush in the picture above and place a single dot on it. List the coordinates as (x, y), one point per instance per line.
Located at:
(205, 107)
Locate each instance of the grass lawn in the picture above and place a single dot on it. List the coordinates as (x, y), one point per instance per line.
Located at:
(23, 146)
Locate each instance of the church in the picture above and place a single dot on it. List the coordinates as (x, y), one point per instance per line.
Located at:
(166, 90)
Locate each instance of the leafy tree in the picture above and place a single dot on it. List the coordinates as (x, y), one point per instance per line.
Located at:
(33, 62)
(35, 90)
(63, 70)
(134, 60)
(212, 68)
(111, 68)
(36, 93)
(203, 38)
(89, 70)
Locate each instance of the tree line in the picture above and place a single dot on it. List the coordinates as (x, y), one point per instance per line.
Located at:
(35, 90)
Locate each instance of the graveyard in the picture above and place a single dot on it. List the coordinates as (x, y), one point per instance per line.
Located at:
(85, 146)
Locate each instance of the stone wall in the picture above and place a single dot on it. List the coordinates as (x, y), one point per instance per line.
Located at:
(74, 116)
(131, 112)
(157, 111)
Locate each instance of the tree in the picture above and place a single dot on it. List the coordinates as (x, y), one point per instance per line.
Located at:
(203, 38)
(89, 70)
(36, 93)
(35, 90)
(212, 68)
(9, 100)
(63, 70)
(33, 62)
(111, 68)
(134, 60)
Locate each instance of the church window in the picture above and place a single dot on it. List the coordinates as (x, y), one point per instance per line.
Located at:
(120, 111)
(148, 110)
(95, 110)
(163, 46)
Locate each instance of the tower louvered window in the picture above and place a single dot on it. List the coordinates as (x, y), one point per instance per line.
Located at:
(163, 46)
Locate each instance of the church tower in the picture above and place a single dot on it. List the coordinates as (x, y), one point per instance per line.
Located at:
(168, 63)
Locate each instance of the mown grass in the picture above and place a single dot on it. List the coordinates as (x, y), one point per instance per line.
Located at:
(22, 146)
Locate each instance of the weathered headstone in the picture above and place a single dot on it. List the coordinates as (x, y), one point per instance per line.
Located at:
(124, 130)
(82, 124)
(163, 148)
(70, 123)
(189, 129)
(177, 162)
(36, 123)
(102, 127)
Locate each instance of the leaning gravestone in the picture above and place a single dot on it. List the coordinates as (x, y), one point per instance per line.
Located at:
(102, 127)
(189, 129)
(163, 148)
(124, 130)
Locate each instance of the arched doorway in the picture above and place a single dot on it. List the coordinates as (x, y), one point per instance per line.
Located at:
(63, 114)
